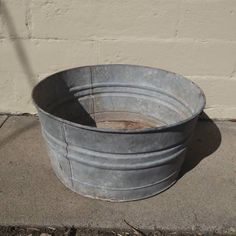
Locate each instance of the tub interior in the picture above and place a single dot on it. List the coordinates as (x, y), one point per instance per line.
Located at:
(119, 97)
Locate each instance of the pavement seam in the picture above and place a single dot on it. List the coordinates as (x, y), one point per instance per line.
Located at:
(4, 121)
(66, 154)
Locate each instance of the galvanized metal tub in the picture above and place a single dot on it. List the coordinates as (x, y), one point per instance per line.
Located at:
(117, 132)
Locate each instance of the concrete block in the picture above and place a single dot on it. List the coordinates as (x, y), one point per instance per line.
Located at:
(16, 93)
(220, 96)
(184, 57)
(207, 19)
(15, 19)
(104, 19)
(45, 56)
(221, 112)
(215, 90)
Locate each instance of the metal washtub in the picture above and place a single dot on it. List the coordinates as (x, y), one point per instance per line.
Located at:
(117, 132)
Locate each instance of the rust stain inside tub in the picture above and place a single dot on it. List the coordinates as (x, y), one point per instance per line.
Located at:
(124, 121)
(123, 124)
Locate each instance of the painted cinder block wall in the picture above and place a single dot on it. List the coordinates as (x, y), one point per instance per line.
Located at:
(196, 38)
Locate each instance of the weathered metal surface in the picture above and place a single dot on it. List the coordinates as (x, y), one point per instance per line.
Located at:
(117, 132)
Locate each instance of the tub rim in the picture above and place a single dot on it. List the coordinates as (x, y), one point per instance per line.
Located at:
(122, 131)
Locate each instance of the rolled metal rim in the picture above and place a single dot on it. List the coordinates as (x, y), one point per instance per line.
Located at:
(132, 131)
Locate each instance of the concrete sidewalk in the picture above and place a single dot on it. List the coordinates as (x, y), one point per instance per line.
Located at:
(203, 198)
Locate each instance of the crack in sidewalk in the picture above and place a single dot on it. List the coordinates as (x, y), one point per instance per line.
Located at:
(3, 122)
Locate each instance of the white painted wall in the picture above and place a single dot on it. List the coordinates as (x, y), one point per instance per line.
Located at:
(196, 38)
